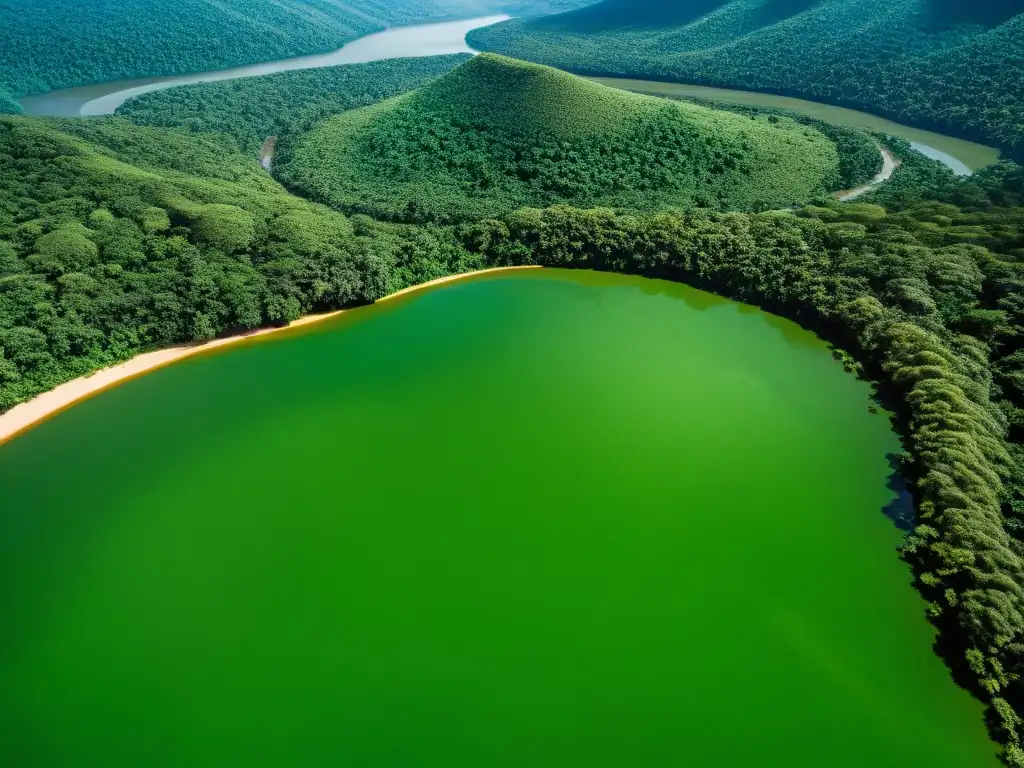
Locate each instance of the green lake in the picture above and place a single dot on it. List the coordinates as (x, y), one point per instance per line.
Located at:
(539, 518)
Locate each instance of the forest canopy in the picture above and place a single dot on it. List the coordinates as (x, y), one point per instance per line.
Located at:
(949, 66)
(115, 239)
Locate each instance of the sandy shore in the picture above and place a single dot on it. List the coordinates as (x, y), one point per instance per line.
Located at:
(27, 415)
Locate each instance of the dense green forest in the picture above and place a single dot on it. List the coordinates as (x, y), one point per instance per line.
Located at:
(8, 105)
(251, 109)
(115, 239)
(860, 158)
(497, 134)
(949, 66)
(50, 44)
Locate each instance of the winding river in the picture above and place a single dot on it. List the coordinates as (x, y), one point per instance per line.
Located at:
(961, 156)
(397, 42)
(541, 518)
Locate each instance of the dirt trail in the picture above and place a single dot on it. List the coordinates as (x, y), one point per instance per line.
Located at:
(267, 153)
(889, 164)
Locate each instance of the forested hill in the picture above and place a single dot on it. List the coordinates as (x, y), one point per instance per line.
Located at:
(497, 134)
(947, 65)
(52, 44)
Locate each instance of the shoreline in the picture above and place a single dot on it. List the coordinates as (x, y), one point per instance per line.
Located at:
(24, 416)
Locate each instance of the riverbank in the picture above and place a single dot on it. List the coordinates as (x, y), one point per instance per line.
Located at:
(432, 39)
(23, 417)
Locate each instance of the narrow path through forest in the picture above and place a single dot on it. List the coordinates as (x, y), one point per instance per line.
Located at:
(889, 164)
(267, 153)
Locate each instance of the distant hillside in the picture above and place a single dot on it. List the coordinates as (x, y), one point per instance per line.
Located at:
(947, 65)
(53, 44)
(497, 134)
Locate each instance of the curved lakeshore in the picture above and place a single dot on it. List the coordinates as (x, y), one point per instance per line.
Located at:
(24, 416)
(517, 484)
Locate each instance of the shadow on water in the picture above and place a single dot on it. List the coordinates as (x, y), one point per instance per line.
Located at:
(901, 509)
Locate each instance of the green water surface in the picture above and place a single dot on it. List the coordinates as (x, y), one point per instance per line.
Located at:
(535, 519)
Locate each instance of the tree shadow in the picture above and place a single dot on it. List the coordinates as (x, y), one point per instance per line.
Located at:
(901, 509)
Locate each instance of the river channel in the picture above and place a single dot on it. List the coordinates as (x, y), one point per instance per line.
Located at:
(961, 156)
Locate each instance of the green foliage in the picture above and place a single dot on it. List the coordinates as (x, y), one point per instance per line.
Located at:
(951, 66)
(251, 109)
(115, 239)
(497, 134)
(859, 157)
(8, 105)
(140, 38)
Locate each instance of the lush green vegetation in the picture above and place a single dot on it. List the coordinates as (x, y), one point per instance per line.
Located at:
(115, 239)
(251, 109)
(953, 67)
(859, 156)
(8, 105)
(49, 44)
(497, 134)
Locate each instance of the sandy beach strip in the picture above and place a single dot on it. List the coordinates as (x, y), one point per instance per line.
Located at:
(30, 413)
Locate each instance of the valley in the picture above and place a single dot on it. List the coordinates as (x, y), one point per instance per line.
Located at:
(708, 421)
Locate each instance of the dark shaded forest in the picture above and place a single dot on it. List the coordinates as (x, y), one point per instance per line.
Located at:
(8, 104)
(51, 44)
(952, 67)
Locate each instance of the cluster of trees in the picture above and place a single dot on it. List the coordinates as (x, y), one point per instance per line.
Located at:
(8, 104)
(497, 134)
(49, 44)
(115, 239)
(251, 109)
(953, 67)
(860, 158)
(930, 313)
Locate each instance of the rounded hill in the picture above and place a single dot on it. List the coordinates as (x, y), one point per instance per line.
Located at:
(497, 134)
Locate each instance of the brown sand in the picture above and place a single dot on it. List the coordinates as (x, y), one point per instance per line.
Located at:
(28, 414)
